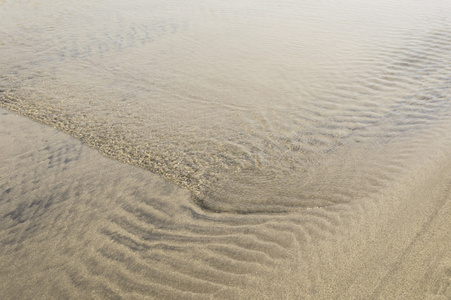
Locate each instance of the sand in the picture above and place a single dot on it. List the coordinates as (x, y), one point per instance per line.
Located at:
(225, 149)
(256, 107)
(75, 224)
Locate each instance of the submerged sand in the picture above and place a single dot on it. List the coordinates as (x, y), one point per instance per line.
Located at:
(225, 149)
(75, 224)
(256, 107)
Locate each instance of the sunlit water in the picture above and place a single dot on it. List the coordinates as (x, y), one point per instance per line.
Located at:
(254, 106)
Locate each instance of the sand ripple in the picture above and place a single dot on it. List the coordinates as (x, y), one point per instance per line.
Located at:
(297, 150)
(330, 146)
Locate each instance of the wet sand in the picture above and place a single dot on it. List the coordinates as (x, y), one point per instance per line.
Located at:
(75, 224)
(256, 107)
(225, 149)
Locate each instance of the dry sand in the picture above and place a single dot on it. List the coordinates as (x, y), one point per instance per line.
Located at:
(75, 224)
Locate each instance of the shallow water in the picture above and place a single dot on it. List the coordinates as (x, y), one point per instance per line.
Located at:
(310, 142)
(254, 106)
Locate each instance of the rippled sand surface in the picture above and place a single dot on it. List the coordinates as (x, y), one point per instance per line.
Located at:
(301, 149)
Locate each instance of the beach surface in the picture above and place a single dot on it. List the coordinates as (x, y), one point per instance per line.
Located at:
(204, 149)
(75, 224)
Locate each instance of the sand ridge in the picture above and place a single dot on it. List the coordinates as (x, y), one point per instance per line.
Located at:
(212, 98)
(70, 231)
(225, 149)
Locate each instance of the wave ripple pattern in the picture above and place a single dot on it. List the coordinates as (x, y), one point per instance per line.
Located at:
(291, 146)
(254, 107)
